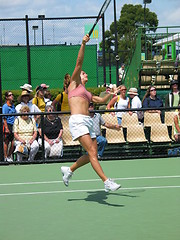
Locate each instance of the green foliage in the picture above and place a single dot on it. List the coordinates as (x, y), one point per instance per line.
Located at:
(132, 17)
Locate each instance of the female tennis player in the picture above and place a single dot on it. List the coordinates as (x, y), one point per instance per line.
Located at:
(81, 124)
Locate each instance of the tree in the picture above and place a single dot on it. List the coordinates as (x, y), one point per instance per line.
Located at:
(132, 17)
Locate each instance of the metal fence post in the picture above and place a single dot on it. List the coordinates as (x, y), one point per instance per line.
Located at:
(104, 56)
(42, 136)
(28, 50)
(1, 120)
(116, 46)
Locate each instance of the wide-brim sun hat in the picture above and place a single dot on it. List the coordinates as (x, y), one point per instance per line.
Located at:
(133, 91)
(25, 93)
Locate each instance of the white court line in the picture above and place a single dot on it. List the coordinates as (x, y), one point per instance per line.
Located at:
(87, 180)
(87, 190)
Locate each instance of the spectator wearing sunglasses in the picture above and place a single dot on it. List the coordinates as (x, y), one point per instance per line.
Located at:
(151, 100)
(8, 121)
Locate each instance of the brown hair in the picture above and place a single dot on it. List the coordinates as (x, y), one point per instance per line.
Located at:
(66, 83)
(147, 94)
(7, 94)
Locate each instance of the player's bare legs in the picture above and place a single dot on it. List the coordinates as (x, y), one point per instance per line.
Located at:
(90, 145)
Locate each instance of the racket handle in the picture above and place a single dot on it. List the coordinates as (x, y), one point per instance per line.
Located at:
(90, 32)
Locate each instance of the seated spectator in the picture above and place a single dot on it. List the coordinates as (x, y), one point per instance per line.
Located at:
(177, 126)
(25, 133)
(119, 102)
(8, 121)
(39, 100)
(97, 122)
(25, 99)
(135, 102)
(53, 131)
(151, 100)
(60, 103)
(102, 94)
(173, 98)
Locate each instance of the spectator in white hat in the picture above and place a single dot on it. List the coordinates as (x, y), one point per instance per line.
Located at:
(135, 102)
(26, 87)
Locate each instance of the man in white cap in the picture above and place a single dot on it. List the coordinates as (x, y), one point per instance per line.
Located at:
(135, 102)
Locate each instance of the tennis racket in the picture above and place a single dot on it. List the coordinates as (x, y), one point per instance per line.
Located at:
(103, 9)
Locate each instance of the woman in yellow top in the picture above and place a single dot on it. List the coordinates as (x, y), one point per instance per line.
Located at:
(62, 98)
(38, 100)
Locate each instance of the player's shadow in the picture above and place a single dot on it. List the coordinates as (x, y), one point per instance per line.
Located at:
(101, 197)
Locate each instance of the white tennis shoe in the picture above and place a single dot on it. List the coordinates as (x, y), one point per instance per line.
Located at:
(67, 174)
(110, 185)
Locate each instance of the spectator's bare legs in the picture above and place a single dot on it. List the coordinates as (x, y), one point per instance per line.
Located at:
(90, 145)
(6, 146)
(6, 143)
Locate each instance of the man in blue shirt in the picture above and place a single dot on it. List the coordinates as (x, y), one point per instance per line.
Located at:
(8, 121)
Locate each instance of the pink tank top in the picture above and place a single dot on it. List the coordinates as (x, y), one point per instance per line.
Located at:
(80, 91)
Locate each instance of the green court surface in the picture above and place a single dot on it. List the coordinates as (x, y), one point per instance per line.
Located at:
(35, 204)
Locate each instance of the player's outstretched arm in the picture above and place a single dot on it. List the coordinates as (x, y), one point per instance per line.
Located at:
(97, 99)
(79, 62)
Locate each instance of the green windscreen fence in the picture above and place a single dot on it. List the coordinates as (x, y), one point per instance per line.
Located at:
(132, 75)
(48, 64)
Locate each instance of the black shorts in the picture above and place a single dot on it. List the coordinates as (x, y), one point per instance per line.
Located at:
(9, 136)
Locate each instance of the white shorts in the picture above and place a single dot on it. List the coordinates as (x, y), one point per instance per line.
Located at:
(80, 125)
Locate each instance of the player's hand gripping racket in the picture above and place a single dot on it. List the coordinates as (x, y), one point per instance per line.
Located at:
(103, 9)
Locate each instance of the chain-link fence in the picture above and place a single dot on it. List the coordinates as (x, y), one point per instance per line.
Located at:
(153, 136)
(36, 50)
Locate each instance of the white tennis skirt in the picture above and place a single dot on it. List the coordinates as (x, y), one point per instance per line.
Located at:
(80, 125)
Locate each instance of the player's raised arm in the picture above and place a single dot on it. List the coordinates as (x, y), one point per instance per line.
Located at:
(79, 62)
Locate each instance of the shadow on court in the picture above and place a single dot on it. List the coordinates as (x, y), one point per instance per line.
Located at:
(101, 197)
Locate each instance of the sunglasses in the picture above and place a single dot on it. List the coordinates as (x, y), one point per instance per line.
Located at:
(153, 90)
(10, 95)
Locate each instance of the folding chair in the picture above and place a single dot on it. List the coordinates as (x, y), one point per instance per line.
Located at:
(159, 133)
(135, 134)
